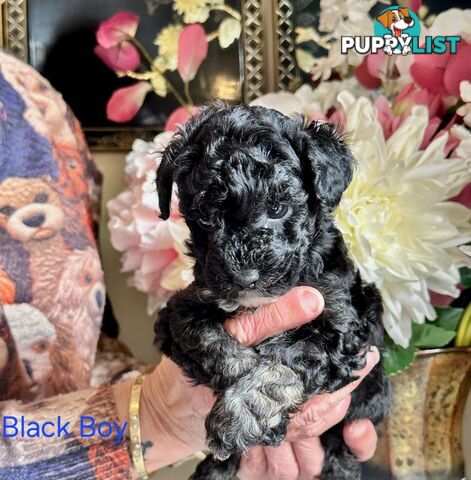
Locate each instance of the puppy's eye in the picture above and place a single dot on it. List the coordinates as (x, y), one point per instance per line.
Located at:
(41, 198)
(7, 210)
(277, 210)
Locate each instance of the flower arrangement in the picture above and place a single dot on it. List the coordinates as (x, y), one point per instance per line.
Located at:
(181, 46)
(406, 215)
(152, 249)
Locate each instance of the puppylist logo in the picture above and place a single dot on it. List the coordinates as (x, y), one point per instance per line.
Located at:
(397, 31)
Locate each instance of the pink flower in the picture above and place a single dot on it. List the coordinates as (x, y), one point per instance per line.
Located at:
(413, 5)
(372, 70)
(410, 95)
(442, 74)
(117, 29)
(152, 250)
(179, 117)
(440, 300)
(126, 102)
(464, 197)
(391, 117)
(192, 50)
(121, 57)
(364, 76)
(389, 122)
(113, 47)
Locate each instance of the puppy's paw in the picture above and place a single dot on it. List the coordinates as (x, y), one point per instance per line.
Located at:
(254, 411)
(234, 367)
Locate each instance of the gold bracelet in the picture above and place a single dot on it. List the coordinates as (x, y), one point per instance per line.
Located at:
(135, 429)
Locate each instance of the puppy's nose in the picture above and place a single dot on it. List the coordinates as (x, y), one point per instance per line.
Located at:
(246, 278)
(35, 221)
(408, 20)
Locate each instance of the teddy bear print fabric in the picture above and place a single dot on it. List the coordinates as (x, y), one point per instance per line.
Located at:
(51, 282)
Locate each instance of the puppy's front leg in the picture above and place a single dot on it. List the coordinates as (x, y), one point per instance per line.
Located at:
(254, 410)
(191, 332)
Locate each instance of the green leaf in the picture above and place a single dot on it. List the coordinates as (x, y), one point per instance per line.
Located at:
(448, 318)
(395, 358)
(465, 274)
(429, 335)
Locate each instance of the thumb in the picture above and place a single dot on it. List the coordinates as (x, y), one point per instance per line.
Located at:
(300, 305)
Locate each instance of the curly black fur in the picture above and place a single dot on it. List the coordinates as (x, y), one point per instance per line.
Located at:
(233, 166)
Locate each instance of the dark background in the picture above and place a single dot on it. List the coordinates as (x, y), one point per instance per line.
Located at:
(61, 42)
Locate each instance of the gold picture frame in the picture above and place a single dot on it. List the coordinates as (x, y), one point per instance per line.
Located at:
(267, 46)
(14, 28)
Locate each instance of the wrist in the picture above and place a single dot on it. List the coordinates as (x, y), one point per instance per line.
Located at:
(162, 443)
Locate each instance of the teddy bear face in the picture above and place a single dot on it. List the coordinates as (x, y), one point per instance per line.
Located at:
(29, 209)
(34, 335)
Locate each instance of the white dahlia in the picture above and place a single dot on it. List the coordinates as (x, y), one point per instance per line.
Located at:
(402, 232)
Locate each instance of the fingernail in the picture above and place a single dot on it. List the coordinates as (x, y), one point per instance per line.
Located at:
(373, 356)
(311, 300)
(357, 429)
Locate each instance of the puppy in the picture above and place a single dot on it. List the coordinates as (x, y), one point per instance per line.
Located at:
(257, 190)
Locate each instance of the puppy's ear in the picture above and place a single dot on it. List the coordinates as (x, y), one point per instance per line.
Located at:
(404, 11)
(181, 154)
(385, 18)
(327, 164)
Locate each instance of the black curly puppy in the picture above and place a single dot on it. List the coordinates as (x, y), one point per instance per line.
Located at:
(257, 190)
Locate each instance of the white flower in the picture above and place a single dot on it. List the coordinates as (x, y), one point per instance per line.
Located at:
(335, 13)
(195, 11)
(229, 30)
(324, 96)
(286, 103)
(453, 21)
(465, 110)
(463, 150)
(305, 59)
(323, 66)
(310, 101)
(400, 230)
(167, 41)
(152, 249)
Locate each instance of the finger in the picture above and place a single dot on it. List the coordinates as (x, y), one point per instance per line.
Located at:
(300, 305)
(319, 426)
(281, 462)
(309, 454)
(319, 405)
(253, 465)
(361, 438)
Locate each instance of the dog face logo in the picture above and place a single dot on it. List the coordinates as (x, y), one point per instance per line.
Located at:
(397, 23)
(29, 209)
(397, 31)
(396, 20)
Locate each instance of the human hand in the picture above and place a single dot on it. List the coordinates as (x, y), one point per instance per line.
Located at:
(173, 410)
(184, 410)
(301, 455)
